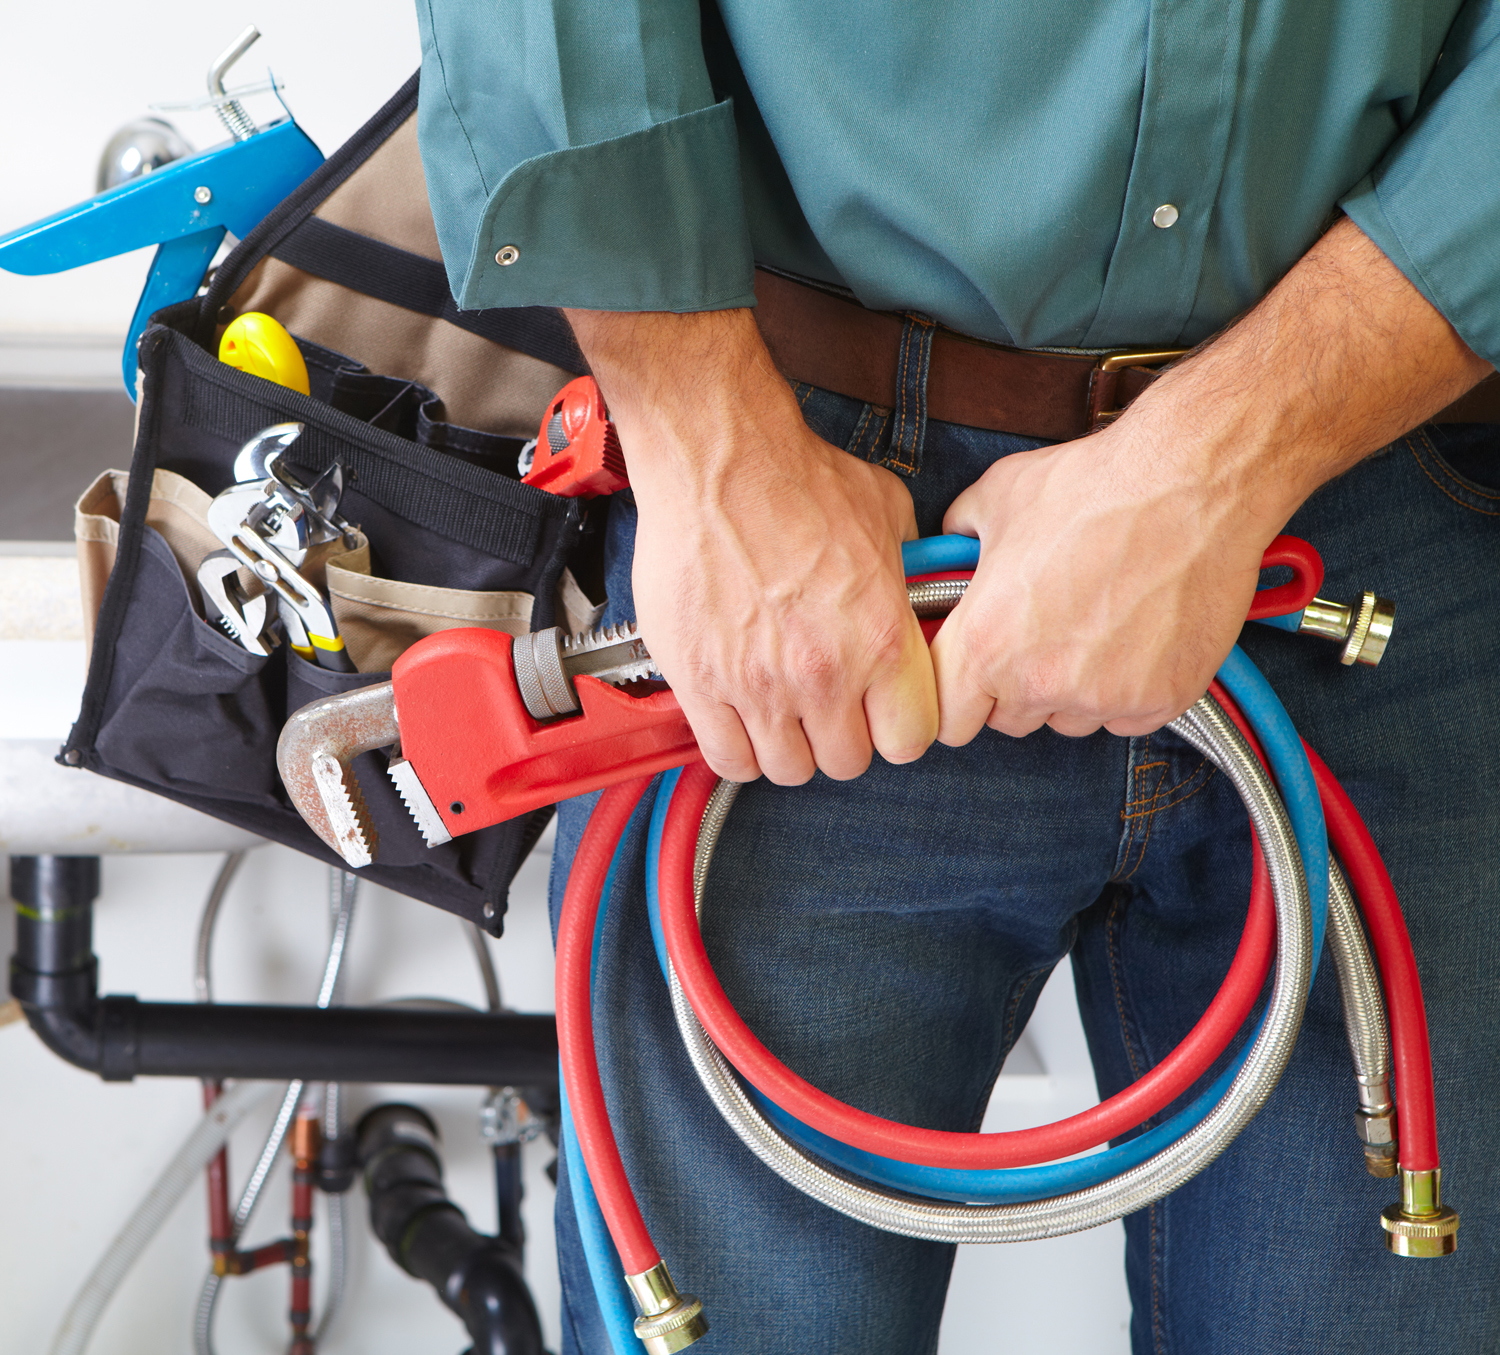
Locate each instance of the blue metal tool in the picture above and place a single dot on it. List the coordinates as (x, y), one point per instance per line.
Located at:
(184, 208)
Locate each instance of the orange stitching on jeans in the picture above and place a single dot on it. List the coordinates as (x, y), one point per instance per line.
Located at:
(1114, 978)
(1156, 807)
(1141, 799)
(1182, 800)
(803, 398)
(876, 435)
(1432, 447)
(1443, 489)
(898, 434)
(860, 428)
(1148, 815)
(1161, 801)
(1145, 842)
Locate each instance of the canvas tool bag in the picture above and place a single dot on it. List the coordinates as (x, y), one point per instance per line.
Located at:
(425, 408)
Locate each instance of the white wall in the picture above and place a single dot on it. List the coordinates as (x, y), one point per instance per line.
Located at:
(77, 1153)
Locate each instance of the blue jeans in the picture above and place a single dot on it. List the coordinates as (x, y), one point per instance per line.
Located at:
(887, 938)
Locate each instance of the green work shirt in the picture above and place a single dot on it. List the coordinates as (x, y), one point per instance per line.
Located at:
(1069, 173)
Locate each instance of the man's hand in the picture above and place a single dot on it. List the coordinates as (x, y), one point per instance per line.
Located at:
(767, 575)
(1115, 571)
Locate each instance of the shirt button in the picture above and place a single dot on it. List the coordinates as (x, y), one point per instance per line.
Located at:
(1164, 216)
(509, 253)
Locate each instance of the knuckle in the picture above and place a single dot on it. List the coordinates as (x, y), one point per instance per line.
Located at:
(886, 644)
(845, 768)
(732, 768)
(902, 751)
(789, 775)
(814, 669)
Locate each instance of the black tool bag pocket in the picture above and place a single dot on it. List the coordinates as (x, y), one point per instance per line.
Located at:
(176, 705)
(188, 708)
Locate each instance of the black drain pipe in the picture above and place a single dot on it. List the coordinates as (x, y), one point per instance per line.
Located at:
(477, 1276)
(54, 976)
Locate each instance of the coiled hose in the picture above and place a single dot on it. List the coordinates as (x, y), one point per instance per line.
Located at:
(962, 1187)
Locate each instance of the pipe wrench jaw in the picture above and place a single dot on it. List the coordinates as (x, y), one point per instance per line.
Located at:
(315, 755)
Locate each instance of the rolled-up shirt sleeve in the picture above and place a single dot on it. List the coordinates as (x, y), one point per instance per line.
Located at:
(575, 156)
(1433, 203)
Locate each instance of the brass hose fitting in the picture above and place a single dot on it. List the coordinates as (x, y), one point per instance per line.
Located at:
(669, 1321)
(1377, 1132)
(1421, 1225)
(1364, 631)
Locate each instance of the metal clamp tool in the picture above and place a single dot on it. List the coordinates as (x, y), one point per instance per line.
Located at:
(276, 527)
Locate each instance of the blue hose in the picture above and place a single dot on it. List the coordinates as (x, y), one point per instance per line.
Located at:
(1021, 1184)
(939, 554)
(950, 554)
(1291, 621)
(605, 1267)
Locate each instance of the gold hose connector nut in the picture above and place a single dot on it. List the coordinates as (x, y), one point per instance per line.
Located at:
(1371, 631)
(1421, 1225)
(1363, 630)
(669, 1321)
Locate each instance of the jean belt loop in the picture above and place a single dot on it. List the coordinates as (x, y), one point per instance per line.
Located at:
(909, 419)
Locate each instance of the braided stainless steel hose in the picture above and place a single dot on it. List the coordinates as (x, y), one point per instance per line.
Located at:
(1207, 728)
(1365, 1025)
(343, 889)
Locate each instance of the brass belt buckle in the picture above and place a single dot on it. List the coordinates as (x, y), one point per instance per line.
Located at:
(1104, 383)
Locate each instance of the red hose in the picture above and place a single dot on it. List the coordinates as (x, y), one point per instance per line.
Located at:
(1307, 566)
(933, 1147)
(1416, 1110)
(575, 1025)
(1163, 1084)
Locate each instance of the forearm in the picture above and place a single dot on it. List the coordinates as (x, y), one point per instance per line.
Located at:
(1341, 357)
(677, 385)
(1117, 569)
(767, 570)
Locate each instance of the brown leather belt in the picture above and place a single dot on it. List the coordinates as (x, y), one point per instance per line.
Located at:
(828, 341)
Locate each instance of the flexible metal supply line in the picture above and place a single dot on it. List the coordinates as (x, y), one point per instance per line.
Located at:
(1208, 729)
(1359, 993)
(343, 894)
(1359, 986)
(1360, 996)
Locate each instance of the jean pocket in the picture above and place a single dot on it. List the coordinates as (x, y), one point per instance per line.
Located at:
(1462, 461)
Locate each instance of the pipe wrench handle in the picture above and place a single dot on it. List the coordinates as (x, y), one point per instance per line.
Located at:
(480, 756)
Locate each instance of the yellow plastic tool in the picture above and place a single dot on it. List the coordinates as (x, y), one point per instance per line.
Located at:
(260, 345)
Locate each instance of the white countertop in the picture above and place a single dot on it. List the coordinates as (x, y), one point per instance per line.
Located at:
(46, 808)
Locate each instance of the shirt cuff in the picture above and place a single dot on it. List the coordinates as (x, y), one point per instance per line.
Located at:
(1433, 205)
(650, 221)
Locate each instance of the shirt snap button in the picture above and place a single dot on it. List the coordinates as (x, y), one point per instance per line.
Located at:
(509, 253)
(1164, 216)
